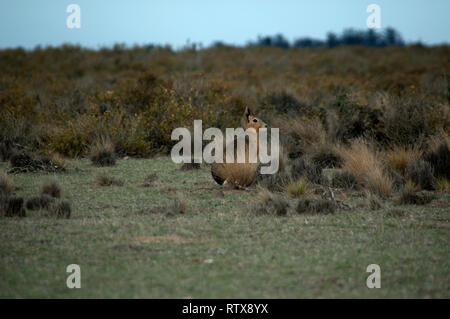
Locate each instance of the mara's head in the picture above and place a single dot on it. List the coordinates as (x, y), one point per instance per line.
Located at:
(250, 120)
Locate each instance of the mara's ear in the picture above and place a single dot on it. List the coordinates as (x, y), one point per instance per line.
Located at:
(247, 113)
(245, 118)
(244, 121)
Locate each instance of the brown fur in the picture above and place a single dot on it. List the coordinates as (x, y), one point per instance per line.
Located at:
(239, 174)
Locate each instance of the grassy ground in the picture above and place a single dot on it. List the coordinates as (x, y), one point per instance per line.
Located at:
(217, 249)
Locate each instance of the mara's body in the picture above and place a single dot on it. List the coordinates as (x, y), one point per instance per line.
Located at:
(241, 174)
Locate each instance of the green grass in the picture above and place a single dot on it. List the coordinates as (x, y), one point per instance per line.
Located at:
(125, 252)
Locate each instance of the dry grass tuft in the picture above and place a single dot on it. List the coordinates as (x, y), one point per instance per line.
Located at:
(178, 206)
(297, 188)
(58, 161)
(373, 201)
(270, 204)
(365, 164)
(103, 179)
(60, 209)
(398, 158)
(264, 194)
(443, 185)
(6, 184)
(102, 152)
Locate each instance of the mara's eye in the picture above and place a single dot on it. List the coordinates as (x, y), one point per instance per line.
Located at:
(255, 120)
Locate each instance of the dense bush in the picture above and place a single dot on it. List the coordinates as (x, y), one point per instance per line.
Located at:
(343, 179)
(303, 168)
(102, 153)
(421, 173)
(410, 195)
(274, 182)
(369, 38)
(59, 100)
(27, 162)
(357, 121)
(440, 160)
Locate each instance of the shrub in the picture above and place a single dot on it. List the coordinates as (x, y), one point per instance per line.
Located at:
(410, 197)
(301, 136)
(421, 173)
(22, 160)
(283, 102)
(440, 160)
(274, 182)
(297, 188)
(303, 168)
(409, 120)
(315, 206)
(356, 121)
(326, 157)
(7, 149)
(11, 207)
(343, 179)
(39, 203)
(397, 178)
(139, 109)
(51, 188)
(270, 204)
(364, 163)
(25, 162)
(102, 152)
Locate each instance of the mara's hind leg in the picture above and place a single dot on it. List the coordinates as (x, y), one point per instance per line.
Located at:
(219, 180)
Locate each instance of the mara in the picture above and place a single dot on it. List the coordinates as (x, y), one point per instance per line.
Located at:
(236, 158)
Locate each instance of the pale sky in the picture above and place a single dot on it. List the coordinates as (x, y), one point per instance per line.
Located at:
(28, 23)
